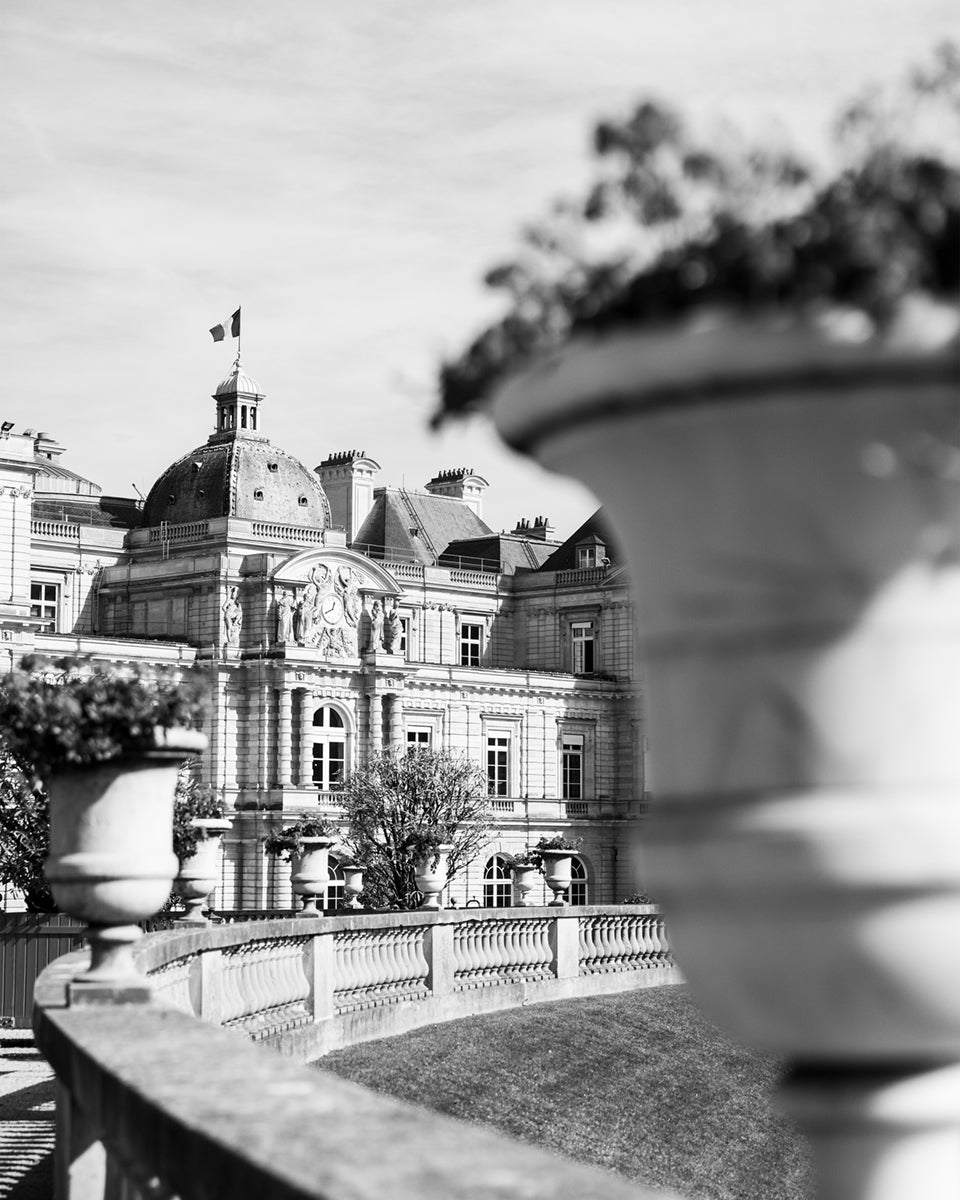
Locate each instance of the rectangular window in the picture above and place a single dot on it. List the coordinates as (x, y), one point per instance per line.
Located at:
(419, 739)
(329, 765)
(581, 633)
(471, 644)
(586, 557)
(498, 765)
(404, 636)
(45, 605)
(571, 767)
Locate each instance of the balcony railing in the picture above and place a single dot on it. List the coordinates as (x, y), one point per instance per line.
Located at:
(156, 1101)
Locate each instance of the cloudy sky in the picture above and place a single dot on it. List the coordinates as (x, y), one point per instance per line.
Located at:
(345, 170)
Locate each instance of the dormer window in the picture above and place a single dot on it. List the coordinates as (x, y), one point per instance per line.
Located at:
(273, 467)
(258, 494)
(302, 501)
(171, 499)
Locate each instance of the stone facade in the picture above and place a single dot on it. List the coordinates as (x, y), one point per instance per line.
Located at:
(323, 650)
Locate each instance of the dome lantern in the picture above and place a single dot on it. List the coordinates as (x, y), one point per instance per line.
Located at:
(237, 398)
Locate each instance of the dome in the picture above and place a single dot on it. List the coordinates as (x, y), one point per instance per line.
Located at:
(238, 381)
(240, 477)
(239, 472)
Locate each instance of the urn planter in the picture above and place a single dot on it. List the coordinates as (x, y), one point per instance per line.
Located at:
(431, 876)
(111, 860)
(309, 872)
(788, 506)
(558, 872)
(200, 873)
(525, 879)
(352, 885)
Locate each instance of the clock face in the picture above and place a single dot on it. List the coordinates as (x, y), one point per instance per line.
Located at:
(331, 609)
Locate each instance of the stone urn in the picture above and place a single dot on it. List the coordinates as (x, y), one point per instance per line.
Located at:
(309, 873)
(524, 877)
(788, 505)
(558, 872)
(200, 873)
(431, 876)
(111, 860)
(352, 885)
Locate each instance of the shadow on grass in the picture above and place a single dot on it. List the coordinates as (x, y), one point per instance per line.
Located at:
(640, 1083)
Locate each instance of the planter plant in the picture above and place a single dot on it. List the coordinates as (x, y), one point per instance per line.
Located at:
(554, 856)
(198, 828)
(768, 409)
(107, 741)
(305, 844)
(431, 851)
(524, 867)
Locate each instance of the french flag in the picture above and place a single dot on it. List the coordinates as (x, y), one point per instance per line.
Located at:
(229, 327)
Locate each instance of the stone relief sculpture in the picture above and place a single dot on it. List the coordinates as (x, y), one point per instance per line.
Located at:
(232, 619)
(392, 631)
(325, 613)
(284, 618)
(375, 639)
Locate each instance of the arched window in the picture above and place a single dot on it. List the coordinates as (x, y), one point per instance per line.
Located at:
(578, 882)
(497, 888)
(329, 749)
(334, 884)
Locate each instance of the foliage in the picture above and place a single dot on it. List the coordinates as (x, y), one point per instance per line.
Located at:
(637, 898)
(289, 840)
(400, 806)
(25, 827)
(521, 858)
(556, 841)
(676, 222)
(192, 801)
(71, 711)
(24, 834)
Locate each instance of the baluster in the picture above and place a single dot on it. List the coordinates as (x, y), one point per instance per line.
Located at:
(461, 950)
(621, 945)
(588, 945)
(232, 998)
(471, 953)
(388, 963)
(647, 942)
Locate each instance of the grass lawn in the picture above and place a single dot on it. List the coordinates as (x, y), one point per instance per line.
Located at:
(640, 1083)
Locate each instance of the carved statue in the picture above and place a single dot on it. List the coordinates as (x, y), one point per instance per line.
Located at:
(232, 619)
(392, 631)
(284, 618)
(376, 626)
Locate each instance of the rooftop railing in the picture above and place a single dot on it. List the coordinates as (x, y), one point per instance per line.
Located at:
(158, 1095)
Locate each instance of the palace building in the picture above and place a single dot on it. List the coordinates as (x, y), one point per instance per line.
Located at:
(337, 619)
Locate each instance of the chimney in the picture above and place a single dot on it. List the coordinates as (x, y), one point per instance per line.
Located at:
(539, 529)
(347, 478)
(460, 483)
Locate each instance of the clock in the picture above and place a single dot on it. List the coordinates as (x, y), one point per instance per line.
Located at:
(331, 609)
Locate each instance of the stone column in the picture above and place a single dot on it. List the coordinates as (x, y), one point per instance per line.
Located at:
(306, 738)
(376, 722)
(284, 731)
(263, 765)
(396, 722)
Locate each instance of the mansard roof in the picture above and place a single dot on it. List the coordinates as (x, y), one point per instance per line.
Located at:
(418, 525)
(115, 512)
(596, 526)
(509, 551)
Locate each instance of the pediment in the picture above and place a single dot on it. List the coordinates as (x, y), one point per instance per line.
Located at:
(369, 576)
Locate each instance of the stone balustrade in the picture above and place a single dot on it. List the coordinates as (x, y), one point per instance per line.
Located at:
(154, 1101)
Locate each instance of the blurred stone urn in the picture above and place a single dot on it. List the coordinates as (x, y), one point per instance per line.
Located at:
(788, 506)
(558, 872)
(309, 873)
(524, 877)
(352, 885)
(430, 873)
(111, 862)
(200, 873)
